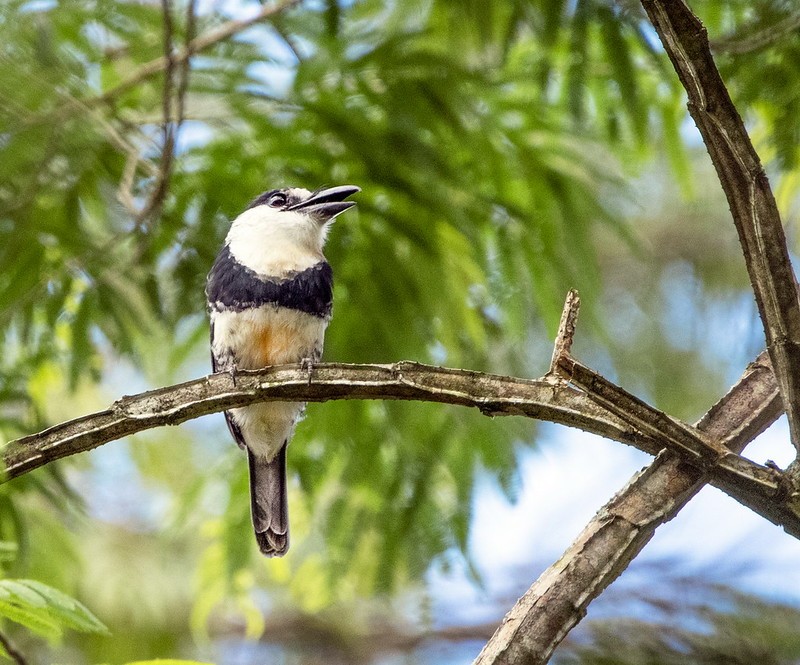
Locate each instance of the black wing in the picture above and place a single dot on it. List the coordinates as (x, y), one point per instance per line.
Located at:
(217, 366)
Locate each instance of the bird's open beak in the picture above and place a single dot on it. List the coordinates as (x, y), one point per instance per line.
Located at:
(325, 204)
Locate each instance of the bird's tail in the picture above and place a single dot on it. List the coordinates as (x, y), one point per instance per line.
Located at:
(268, 502)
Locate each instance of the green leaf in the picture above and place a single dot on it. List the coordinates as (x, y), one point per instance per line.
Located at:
(45, 610)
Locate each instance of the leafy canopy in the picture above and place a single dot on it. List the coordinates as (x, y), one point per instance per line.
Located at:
(492, 142)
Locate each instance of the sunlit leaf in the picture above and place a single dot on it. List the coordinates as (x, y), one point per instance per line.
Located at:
(45, 610)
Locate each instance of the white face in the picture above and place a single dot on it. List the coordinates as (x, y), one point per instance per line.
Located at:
(273, 242)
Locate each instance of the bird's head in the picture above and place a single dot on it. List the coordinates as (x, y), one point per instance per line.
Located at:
(285, 229)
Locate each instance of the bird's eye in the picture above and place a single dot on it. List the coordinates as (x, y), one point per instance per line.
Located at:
(277, 200)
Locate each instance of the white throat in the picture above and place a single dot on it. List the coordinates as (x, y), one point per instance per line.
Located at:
(276, 242)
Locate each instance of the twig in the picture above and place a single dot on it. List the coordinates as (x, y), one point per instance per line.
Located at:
(557, 601)
(747, 189)
(762, 488)
(183, 81)
(154, 202)
(200, 43)
(171, 122)
(125, 187)
(761, 38)
(287, 39)
(566, 329)
(12, 652)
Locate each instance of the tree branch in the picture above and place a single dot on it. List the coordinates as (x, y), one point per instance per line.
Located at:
(747, 189)
(570, 393)
(493, 395)
(566, 329)
(149, 212)
(749, 484)
(199, 43)
(155, 201)
(600, 410)
(558, 600)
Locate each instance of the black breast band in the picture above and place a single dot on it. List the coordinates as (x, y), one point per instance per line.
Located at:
(232, 286)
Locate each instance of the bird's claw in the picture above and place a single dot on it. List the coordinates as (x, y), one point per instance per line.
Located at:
(308, 365)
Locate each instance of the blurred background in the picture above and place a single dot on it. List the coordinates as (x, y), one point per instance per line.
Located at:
(507, 152)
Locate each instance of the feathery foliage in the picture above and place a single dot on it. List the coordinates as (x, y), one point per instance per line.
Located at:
(492, 142)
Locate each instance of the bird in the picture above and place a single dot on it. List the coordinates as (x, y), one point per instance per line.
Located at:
(270, 296)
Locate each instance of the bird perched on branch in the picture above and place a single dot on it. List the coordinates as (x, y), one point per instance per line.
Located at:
(270, 294)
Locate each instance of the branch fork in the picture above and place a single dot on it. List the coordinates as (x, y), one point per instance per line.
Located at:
(558, 600)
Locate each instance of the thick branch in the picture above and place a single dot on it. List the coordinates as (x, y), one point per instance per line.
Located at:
(558, 600)
(747, 189)
(552, 398)
(493, 395)
(732, 474)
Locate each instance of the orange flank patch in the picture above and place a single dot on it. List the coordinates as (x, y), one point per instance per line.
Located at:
(271, 345)
(268, 335)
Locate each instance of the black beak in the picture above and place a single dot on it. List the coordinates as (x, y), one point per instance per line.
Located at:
(325, 204)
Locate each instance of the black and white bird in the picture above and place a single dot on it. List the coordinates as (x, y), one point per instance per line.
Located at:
(270, 294)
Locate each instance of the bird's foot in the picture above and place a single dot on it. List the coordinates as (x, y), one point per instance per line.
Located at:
(308, 365)
(234, 372)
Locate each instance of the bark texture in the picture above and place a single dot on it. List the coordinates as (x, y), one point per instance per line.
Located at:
(558, 600)
(747, 189)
